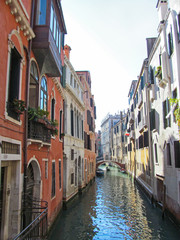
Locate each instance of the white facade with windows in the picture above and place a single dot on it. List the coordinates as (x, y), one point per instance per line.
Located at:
(74, 133)
(164, 77)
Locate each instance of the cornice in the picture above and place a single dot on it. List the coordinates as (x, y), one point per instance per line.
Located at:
(59, 87)
(68, 63)
(21, 18)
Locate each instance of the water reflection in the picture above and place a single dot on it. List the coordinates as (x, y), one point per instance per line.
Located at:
(112, 208)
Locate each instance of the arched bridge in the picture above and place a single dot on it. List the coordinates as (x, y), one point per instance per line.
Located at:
(105, 161)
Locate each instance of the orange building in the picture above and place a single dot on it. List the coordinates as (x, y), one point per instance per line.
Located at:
(31, 140)
(89, 127)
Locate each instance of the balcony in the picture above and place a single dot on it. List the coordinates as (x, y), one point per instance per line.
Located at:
(39, 133)
(142, 124)
(48, 43)
(131, 117)
(132, 135)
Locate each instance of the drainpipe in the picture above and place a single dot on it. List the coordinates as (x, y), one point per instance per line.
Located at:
(28, 53)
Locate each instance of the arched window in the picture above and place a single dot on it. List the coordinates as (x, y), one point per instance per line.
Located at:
(34, 86)
(43, 97)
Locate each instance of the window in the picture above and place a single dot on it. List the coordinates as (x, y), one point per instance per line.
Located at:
(141, 142)
(43, 97)
(72, 178)
(168, 148)
(55, 29)
(76, 172)
(170, 43)
(155, 153)
(41, 12)
(52, 18)
(63, 78)
(82, 169)
(71, 80)
(14, 76)
(152, 120)
(151, 75)
(177, 154)
(166, 110)
(72, 122)
(52, 109)
(77, 126)
(139, 116)
(34, 86)
(146, 141)
(46, 169)
(53, 188)
(60, 183)
(72, 154)
(60, 125)
(178, 25)
(129, 147)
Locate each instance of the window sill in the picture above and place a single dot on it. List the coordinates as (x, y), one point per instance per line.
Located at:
(13, 120)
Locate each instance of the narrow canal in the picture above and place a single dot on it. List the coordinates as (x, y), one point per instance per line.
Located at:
(112, 208)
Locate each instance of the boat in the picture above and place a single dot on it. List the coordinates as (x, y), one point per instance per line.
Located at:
(122, 170)
(99, 172)
(107, 169)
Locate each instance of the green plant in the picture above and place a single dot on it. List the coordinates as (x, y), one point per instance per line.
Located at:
(38, 113)
(19, 106)
(54, 123)
(177, 109)
(158, 73)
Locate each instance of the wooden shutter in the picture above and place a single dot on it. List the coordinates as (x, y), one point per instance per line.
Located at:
(177, 154)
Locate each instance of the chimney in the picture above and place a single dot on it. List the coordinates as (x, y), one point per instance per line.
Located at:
(67, 50)
(162, 8)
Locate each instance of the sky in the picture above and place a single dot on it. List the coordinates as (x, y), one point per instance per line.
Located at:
(108, 38)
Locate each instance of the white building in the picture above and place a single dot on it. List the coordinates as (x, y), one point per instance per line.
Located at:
(106, 135)
(164, 76)
(73, 175)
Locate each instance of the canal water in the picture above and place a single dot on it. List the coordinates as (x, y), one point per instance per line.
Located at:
(112, 208)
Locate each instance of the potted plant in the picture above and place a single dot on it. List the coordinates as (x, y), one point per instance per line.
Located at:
(158, 73)
(175, 103)
(38, 115)
(18, 106)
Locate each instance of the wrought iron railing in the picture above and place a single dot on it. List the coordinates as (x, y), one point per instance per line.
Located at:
(39, 131)
(37, 228)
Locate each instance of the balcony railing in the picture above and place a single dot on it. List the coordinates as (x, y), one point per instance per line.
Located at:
(37, 213)
(38, 131)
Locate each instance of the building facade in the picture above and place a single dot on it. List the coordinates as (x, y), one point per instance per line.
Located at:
(89, 127)
(106, 135)
(32, 112)
(74, 131)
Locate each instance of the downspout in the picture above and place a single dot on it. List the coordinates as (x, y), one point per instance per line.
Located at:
(28, 54)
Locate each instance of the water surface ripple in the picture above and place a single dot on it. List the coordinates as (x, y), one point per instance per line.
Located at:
(112, 208)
